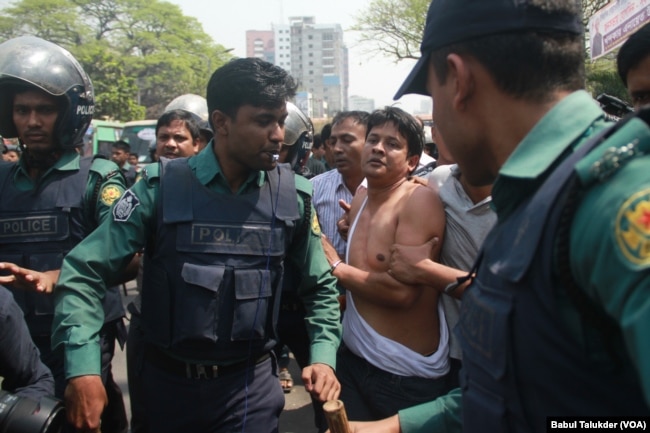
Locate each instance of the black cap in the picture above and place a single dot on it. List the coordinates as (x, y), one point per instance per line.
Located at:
(452, 21)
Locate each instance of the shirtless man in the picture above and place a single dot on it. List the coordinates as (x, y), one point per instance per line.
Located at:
(395, 337)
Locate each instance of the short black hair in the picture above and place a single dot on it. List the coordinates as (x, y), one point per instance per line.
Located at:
(407, 125)
(184, 116)
(633, 52)
(248, 81)
(326, 131)
(122, 145)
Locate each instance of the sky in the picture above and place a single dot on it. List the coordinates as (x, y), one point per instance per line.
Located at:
(370, 76)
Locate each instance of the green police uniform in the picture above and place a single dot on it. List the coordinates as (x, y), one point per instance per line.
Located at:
(111, 185)
(609, 238)
(112, 245)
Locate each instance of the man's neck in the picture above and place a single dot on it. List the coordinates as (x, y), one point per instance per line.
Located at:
(38, 163)
(352, 182)
(475, 193)
(234, 173)
(381, 191)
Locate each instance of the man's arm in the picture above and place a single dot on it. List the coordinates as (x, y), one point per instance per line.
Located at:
(412, 265)
(82, 283)
(442, 415)
(610, 263)
(319, 296)
(113, 187)
(412, 229)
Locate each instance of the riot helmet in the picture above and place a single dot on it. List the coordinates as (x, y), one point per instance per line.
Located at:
(298, 135)
(31, 61)
(195, 104)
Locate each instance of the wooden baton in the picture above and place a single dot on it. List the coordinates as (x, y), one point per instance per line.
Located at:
(337, 418)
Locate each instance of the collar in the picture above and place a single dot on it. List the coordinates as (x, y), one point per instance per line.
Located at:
(207, 169)
(562, 126)
(68, 161)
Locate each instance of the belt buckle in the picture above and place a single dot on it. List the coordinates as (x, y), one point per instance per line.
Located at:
(201, 371)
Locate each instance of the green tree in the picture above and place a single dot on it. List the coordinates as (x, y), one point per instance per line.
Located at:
(113, 93)
(137, 52)
(393, 28)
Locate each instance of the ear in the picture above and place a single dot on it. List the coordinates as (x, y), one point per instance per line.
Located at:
(412, 162)
(221, 122)
(462, 77)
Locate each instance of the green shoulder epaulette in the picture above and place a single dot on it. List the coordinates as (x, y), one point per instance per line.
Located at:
(304, 185)
(105, 168)
(630, 141)
(150, 172)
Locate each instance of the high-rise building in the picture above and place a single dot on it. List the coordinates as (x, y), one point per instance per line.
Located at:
(314, 54)
(282, 35)
(261, 44)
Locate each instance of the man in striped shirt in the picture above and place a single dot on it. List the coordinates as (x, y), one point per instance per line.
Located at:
(330, 188)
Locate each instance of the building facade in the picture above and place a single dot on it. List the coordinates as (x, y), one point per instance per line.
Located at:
(314, 54)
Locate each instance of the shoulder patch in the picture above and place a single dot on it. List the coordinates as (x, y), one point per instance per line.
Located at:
(315, 226)
(109, 194)
(633, 229)
(125, 207)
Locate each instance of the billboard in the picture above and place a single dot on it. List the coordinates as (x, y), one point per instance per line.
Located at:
(613, 24)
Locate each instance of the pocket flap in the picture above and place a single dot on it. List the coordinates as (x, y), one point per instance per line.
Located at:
(209, 277)
(252, 283)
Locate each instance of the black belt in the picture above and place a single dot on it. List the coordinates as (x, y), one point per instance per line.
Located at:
(190, 370)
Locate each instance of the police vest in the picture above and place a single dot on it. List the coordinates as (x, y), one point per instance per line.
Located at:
(213, 273)
(38, 228)
(520, 364)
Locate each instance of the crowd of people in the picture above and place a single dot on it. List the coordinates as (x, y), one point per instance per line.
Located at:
(501, 286)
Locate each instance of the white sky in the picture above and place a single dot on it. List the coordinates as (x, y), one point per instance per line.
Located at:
(371, 77)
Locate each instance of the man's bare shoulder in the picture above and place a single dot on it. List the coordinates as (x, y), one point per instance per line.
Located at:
(420, 195)
(421, 216)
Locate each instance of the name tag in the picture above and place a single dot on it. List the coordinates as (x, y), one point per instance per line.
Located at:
(33, 228)
(231, 239)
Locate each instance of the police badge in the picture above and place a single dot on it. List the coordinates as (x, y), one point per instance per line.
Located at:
(125, 207)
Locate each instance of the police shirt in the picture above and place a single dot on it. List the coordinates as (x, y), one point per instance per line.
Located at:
(110, 190)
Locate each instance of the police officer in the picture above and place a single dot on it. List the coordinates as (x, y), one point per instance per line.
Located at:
(555, 321)
(52, 198)
(217, 227)
(198, 106)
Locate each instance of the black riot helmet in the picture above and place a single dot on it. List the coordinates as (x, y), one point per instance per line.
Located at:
(29, 61)
(298, 135)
